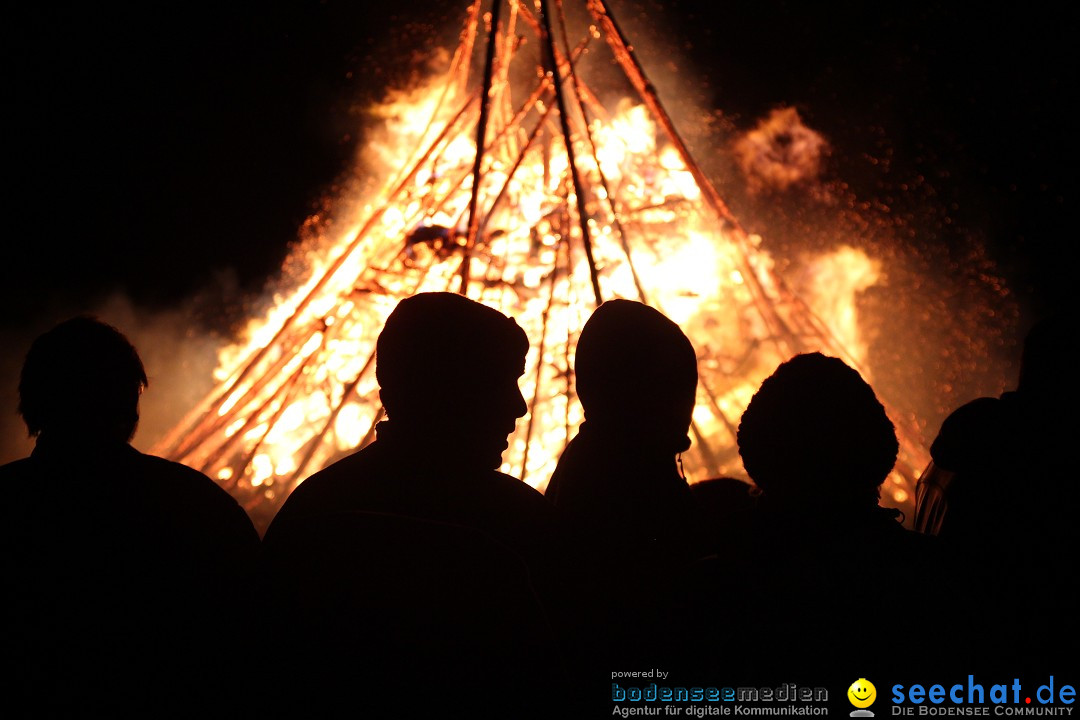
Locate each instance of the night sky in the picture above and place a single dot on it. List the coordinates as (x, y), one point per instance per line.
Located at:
(170, 151)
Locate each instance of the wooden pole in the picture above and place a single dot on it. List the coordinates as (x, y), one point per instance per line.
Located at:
(481, 132)
(579, 188)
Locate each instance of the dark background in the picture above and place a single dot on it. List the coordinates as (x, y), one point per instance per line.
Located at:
(149, 147)
(170, 152)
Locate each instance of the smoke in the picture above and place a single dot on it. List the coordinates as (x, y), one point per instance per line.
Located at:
(780, 152)
(940, 324)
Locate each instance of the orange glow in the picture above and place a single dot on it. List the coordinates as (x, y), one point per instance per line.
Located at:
(300, 390)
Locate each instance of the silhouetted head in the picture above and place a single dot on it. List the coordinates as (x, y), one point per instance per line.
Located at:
(82, 379)
(637, 375)
(816, 431)
(1048, 362)
(448, 371)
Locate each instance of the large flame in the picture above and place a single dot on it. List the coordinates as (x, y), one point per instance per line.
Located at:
(300, 390)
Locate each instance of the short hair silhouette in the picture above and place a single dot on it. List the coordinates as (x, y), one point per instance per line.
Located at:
(83, 376)
(119, 562)
(815, 428)
(637, 371)
(359, 551)
(433, 346)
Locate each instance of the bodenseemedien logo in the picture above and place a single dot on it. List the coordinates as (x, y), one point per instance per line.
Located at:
(696, 701)
(862, 694)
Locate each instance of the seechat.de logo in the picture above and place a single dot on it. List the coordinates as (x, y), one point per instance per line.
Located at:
(977, 698)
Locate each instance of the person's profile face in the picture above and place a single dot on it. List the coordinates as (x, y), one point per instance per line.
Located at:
(491, 408)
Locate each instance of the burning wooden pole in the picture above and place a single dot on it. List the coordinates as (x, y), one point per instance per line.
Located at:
(303, 391)
(564, 123)
(481, 134)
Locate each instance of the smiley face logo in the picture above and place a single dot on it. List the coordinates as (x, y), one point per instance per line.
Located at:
(862, 693)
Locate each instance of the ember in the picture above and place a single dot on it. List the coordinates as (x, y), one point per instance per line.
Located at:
(564, 204)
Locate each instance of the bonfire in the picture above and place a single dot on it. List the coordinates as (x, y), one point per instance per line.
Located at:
(509, 181)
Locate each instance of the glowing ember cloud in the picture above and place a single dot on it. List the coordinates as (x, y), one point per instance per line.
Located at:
(300, 391)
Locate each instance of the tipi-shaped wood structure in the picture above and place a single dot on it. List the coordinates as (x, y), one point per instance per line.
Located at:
(521, 190)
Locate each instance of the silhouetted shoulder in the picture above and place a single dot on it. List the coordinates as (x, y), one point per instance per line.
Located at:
(332, 483)
(12, 472)
(198, 499)
(727, 505)
(151, 495)
(373, 480)
(331, 490)
(187, 477)
(524, 492)
(15, 482)
(184, 480)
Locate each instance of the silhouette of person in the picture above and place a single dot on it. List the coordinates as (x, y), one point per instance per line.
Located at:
(618, 481)
(999, 497)
(118, 566)
(414, 563)
(727, 505)
(822, 558)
